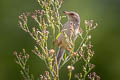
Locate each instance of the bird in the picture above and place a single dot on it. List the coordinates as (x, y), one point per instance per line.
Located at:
(73, 22)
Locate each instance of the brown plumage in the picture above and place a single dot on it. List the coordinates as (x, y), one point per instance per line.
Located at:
(70, 28)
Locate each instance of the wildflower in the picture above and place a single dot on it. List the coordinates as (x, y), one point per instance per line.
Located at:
(51, 51)
(89, 37)
(84, 45)
(70, 68)
(74, 54)
(47, 32)
(93, 76)
(95, 25)
(89, 24)
(41, 76)
(91, 66)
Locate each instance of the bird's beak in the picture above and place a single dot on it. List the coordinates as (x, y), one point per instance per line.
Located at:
(66, 12)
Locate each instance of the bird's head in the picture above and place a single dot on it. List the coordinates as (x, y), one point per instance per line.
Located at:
(73, 16)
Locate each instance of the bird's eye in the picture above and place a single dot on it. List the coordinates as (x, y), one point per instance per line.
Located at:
(71, 14)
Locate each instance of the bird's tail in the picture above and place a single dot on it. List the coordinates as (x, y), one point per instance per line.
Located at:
(60, 54)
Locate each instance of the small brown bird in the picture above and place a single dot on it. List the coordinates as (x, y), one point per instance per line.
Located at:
(74, 22)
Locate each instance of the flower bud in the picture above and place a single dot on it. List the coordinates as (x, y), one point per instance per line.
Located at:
(74, 54)
(70, 68)
(84, 45)
(51, 51)
(89, 37)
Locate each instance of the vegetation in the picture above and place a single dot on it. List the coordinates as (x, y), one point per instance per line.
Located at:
(47, 27)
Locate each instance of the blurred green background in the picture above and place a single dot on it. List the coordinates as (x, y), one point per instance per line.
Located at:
(106, 38)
